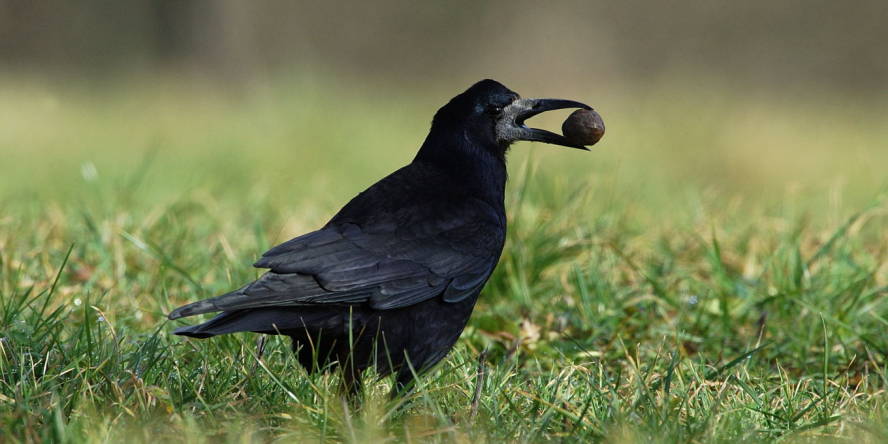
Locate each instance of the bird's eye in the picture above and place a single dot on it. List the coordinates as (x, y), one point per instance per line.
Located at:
(493, 110)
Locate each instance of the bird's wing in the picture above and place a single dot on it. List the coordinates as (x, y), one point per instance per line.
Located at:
(390, 262)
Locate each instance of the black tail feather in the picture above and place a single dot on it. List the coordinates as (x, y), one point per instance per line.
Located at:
(272, 320)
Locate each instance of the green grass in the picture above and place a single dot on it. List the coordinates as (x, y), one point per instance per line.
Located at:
(714, 271)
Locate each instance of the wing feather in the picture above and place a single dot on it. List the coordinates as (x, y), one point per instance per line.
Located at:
(393, 261)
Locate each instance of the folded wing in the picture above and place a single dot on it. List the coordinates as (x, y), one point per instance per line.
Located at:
(391, 262)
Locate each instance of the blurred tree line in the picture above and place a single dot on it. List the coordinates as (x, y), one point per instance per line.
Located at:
(826, 43)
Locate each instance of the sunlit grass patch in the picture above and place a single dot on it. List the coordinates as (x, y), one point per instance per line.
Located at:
(630, 304)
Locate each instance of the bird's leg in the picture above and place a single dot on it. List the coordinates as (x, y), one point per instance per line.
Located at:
(479, 384)
(404, 382)
(260, 350)
(350, 386)
(351, 381)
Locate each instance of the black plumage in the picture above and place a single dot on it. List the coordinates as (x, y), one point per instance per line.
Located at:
(391, 280)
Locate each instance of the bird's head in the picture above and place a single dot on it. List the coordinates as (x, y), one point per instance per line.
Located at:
(490, 114)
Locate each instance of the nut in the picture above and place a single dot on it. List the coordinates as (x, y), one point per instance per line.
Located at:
(583, 126)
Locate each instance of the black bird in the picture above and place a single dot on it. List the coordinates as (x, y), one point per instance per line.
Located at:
(392, 279)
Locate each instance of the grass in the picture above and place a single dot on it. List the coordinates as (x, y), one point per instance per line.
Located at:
(715, 271)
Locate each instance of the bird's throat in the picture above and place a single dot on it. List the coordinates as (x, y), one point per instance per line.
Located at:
(480, 168)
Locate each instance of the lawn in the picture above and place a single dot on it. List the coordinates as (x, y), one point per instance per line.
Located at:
(715, 270)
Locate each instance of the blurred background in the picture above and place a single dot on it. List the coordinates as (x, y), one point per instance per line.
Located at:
(752, 101)
(150, 150)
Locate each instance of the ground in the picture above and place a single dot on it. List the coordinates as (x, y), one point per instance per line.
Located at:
(713, 271)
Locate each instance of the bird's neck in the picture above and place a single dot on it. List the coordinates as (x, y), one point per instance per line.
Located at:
(480, 170)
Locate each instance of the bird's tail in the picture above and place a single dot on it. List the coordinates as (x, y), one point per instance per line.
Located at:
(208, 305)
(224, 323)
(271, 320)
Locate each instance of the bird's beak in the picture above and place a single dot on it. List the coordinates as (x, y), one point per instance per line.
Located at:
(511, 126)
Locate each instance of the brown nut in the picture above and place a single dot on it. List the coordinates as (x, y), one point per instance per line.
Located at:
(583, 126)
